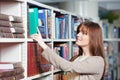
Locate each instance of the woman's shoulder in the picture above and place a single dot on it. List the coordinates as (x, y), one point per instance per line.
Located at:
(96, 59)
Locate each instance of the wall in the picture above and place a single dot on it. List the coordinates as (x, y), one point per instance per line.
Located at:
(87, 9)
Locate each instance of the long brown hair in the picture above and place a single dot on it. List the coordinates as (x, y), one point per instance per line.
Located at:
(96, 44)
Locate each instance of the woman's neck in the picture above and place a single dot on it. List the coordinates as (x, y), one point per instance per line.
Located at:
(86, 51)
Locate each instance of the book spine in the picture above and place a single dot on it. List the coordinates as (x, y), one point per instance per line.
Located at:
(18, 35)
(5, 23)
(6, 72)
(32, 69)
(33, 20)
(15, 19)
(5, 29)
(18, 30)
(4, 17)
(42, 19)
(6, 35)
(17, 24)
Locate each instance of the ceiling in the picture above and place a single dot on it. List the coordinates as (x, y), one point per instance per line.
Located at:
(110, 4)
(106, 4)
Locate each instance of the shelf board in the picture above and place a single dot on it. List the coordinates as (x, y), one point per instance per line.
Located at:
(45, 40)
(11, 40)
(73, 40)
(40, 75)
(61, 40)
(115, 39)
(56, 71)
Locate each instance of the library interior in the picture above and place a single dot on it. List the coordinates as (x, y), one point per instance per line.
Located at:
(57, 21)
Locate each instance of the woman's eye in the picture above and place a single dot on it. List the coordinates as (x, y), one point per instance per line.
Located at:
(85, 33)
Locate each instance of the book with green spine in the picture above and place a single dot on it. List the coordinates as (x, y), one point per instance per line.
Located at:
(33, 20)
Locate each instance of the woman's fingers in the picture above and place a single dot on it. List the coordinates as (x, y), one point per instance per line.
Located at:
(36, 37)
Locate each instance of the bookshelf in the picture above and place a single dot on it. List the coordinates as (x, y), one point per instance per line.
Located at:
(16, 49)
(111, 36)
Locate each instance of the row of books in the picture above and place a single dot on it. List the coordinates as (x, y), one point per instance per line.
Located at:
(75, 22)
(110, 30)
(37, 64)
(11, 26)
(11, 71)
(61, 26)
(75, 50)
(62, 49)
(52, 24)
(40, 20)
(112, 50)
(43, 20)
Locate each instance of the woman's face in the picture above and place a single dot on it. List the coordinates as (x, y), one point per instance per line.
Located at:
(82, 38)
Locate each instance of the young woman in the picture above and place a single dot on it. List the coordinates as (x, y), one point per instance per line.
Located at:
(90, 63)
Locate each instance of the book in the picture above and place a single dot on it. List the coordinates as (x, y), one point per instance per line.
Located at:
(57, 28)
(13, 24)
(14, 77)
(18, 35)
(4, 17)
(10, 65)
(18, 70)
(19, 76)
(44, 64)
(63, 50)
(31, 69)
(39, 63)
(11, 72)
(8, 78)
(33, 20)
(15, 19)
(5, 23)
(6, 66)
(6, 35)
(61, 27)
(49, 23)
(75, 50)
(66, 26)
(6, 72)
(5, 29)
(42, 22)
(17, 30)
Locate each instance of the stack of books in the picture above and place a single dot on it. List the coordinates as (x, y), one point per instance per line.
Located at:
(11, 71)
(5, 31)
(11, 26)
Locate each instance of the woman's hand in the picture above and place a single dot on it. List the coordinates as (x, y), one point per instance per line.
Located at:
(39, 39)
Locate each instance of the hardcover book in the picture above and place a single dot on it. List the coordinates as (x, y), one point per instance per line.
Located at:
(42, 22)
(12, 64)
(15, 19)
(6, 35)
(4, 17)
(5, 23)
(18, 35)
(5, 29)
(6, 72)
(17, 30)
(31, 69)
(33, 20)
(14, 77)
(13, 24)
